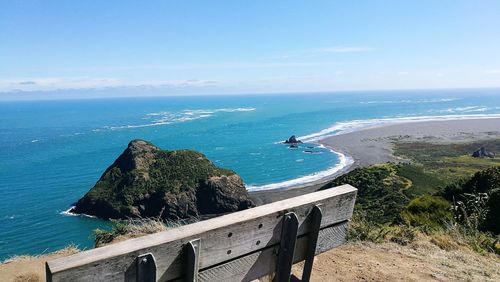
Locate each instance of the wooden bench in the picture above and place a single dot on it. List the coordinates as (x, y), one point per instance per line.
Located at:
(240, 246)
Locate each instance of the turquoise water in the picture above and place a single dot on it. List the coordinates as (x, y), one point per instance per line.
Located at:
(52, 152)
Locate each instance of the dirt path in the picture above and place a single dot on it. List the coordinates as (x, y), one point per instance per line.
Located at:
(420, 261)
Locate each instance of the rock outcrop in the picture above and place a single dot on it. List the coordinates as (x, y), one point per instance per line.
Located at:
(292, 140)
(482, 153)
(146, 181)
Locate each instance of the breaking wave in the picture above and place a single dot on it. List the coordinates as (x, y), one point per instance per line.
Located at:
(407, 101)
(69, 213)
(165, 118)
(469, 109)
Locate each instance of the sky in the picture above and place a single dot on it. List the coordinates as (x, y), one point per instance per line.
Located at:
(222, 47)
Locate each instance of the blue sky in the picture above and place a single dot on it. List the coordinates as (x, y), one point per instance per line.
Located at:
(220, 47)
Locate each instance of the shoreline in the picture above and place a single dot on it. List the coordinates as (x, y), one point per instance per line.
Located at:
(371, 143)
(345, 161)
(262, 197)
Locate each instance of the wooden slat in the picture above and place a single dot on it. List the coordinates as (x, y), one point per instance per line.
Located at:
(223, 239)
(263, 262)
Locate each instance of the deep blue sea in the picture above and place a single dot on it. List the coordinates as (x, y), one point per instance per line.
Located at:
(52, 152)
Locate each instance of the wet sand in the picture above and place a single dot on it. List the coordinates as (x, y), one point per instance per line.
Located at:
(374, 145)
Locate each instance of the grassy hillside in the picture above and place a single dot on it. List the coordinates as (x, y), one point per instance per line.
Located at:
(448, 161)
(386, 188)
(443, 191)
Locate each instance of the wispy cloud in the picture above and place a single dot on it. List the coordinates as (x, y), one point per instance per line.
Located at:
(56, 83)
(341, 49)
(492, 71)
(46, 83)
(317, 52)
(201, 66)
(26, 83)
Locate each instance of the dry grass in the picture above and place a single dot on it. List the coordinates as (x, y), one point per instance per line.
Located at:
(71, 249)
(445, 242)
(30, 268)
(132, 228)
(28, 277)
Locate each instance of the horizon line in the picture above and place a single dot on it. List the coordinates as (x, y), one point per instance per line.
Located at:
(256, 93)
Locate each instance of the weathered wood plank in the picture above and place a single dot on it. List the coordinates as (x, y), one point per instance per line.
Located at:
(222, 238)
(287, 247)
(263, 262)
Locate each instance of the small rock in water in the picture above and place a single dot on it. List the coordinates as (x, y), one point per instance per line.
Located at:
(292, 140)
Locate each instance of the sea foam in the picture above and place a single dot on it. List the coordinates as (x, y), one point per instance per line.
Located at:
(410, 101)
(69, 213)
(166, 118)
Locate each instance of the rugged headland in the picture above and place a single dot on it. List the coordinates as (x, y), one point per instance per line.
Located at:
(145, 181)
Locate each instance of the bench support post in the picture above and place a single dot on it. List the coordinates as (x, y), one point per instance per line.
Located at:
(146, 268)
(192, 260)
(315, 224)
(287, 247)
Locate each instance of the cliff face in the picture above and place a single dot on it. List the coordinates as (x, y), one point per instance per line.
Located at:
(145, 181)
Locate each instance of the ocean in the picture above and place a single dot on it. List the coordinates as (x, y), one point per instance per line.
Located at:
(53, 152)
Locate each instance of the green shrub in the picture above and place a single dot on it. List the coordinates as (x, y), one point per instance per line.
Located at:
(386, 210)
(103, 237)
(477, 200)
(478, 241)
(380, 191)
(481, 182)
(492, 221)
(361, 229)
(472, 210)
(427, 212)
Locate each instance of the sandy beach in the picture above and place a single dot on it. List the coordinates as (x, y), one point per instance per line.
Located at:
(374, 145)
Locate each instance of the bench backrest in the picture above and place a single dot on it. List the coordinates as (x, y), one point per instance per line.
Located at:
(240, 246)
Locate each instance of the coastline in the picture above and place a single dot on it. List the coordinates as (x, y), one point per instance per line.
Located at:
(372, 143)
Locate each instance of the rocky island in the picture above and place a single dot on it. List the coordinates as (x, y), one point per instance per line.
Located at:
(292, 140)
(145, 181)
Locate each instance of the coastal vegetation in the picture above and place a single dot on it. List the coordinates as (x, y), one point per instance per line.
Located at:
(448, 161)
(131, 228)
(443, 193)
(387, 210)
